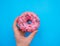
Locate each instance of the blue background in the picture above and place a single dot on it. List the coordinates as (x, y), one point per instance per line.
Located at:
(47, 10)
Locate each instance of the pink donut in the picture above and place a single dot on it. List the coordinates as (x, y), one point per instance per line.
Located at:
(28, 22)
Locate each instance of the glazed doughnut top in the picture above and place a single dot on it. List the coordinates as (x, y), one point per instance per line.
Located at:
(28, 22)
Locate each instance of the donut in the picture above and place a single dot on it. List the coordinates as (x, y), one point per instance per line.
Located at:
(28, 22)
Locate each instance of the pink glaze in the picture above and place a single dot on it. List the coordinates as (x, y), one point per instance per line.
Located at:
(24, 26)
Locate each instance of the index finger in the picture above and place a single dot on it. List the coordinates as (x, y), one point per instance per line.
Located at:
(16, 30)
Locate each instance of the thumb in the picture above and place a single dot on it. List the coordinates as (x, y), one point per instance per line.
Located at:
(30, 37)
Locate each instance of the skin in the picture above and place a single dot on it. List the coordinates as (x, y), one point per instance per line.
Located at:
(21, 40)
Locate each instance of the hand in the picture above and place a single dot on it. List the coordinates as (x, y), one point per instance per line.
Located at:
(19, 35)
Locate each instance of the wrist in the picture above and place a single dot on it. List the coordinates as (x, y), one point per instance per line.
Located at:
(22, 45)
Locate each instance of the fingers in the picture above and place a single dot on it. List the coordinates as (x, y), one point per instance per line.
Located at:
(30, 37)
(14, 25)
(17, 32)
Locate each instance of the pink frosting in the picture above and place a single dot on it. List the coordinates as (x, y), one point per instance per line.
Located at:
(24, 26)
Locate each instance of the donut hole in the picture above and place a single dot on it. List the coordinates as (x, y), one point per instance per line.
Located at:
(29, 21)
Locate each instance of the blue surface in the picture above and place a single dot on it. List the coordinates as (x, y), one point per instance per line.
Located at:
(48, 11)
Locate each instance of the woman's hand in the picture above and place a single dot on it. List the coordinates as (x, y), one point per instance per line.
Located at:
(19, 35)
